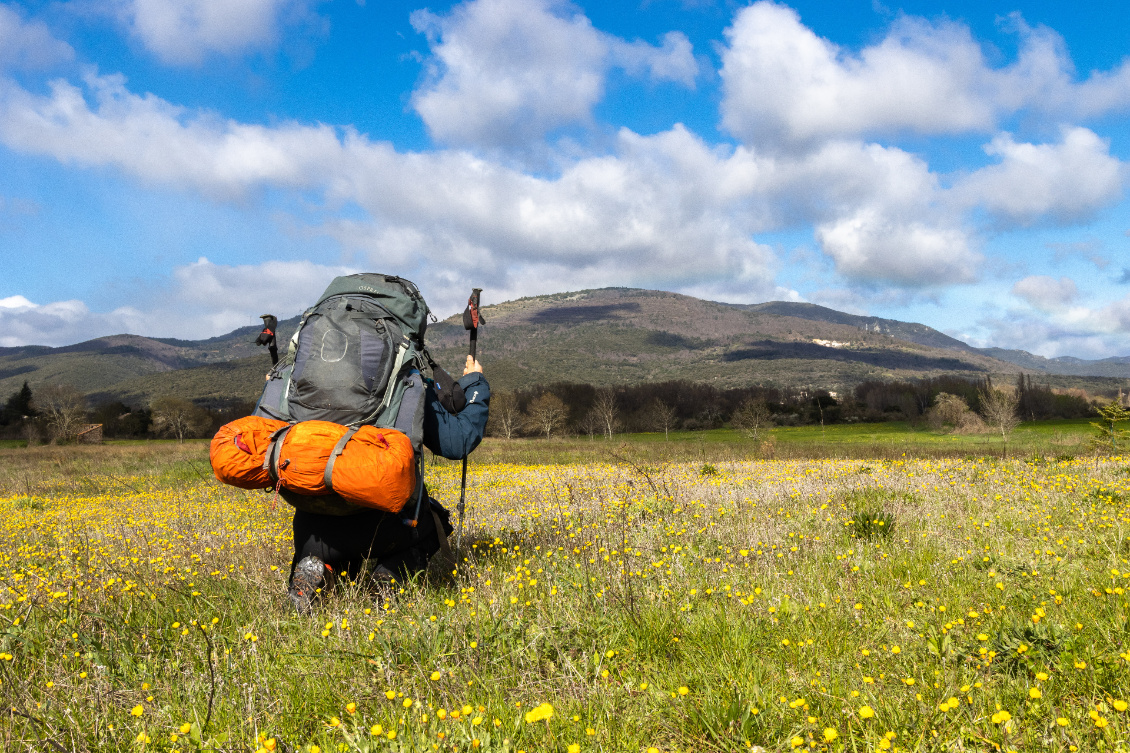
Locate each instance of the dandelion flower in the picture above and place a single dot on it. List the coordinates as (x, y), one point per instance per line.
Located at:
(544, 712)
(866, 712)
(137, 710)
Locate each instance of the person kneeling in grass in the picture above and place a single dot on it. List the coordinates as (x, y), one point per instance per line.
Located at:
(329, 546)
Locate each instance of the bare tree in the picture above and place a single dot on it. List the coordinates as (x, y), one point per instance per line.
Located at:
(505, 416)
(590, 424)
(752, 416)
(174, 416)
(547, 413)
(999, 409)
(662, 416)
(63, 409)
(607, 410)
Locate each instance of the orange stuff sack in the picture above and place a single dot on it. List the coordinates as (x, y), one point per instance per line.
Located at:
(375, 468)
(238, 450)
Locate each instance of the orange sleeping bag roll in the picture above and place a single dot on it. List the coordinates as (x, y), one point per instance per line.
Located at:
(368, 466)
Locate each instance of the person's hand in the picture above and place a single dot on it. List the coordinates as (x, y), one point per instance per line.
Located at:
(472, 366)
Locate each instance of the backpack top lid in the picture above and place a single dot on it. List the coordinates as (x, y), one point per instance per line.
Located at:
(400, 297)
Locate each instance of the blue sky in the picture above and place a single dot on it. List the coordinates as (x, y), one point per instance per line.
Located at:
(178, 167)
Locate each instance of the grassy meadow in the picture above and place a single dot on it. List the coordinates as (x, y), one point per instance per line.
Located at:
(804, 591)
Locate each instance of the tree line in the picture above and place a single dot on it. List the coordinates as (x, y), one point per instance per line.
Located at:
(57, 413)
(582, 409)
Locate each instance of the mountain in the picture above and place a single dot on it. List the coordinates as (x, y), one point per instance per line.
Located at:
(605, 336)
(915, 333)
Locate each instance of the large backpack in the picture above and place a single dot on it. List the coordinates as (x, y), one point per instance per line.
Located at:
(355, 360)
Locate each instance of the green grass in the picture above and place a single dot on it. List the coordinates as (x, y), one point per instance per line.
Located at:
(650, 604)
(889, 440)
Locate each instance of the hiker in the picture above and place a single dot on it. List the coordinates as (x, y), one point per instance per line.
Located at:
(327, 546)
(340, 429)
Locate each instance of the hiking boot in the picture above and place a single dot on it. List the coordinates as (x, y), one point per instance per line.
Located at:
(311, 575)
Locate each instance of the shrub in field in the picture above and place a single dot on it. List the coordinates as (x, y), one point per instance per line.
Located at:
(952, 413)
(1020, 645)
(871, 516)
(870, 523)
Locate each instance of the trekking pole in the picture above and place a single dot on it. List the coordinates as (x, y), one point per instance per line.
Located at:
(471, 320)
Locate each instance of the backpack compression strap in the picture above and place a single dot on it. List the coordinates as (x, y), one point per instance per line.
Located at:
(338, 449)
(271, 458)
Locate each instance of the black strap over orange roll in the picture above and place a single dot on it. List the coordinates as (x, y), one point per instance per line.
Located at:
(337, 450)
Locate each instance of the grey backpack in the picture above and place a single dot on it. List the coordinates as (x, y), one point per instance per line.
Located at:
(355, 360)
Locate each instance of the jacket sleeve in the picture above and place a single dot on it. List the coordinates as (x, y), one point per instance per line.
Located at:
(455, 435)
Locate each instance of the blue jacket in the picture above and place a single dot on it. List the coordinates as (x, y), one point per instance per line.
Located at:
(455, 435)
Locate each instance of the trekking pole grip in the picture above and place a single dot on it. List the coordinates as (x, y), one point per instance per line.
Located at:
(472, 319)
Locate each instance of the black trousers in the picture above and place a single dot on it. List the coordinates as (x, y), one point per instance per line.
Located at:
(344, 541)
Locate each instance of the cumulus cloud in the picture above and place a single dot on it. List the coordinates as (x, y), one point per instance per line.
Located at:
(197, 300)
(503, 73)
(1098, 331)
(186, 31)
(1046, 293)
(785, 85)
(23, 322)
(159, 142)
(1066, 181)
(28, 45)
(871, 247)
(666, 209)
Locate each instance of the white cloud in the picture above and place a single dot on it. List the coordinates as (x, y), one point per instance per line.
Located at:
(671, 61)
(16, 303)
(1098, 331)
(28, 45)
(785, 85)
(666, 209)
(871, 247)
(1046, 293)
(217, 298)
(197, 301)
(23, 322)
(506, 72)
(1066, 181)
(159, 142)
(187, 31)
